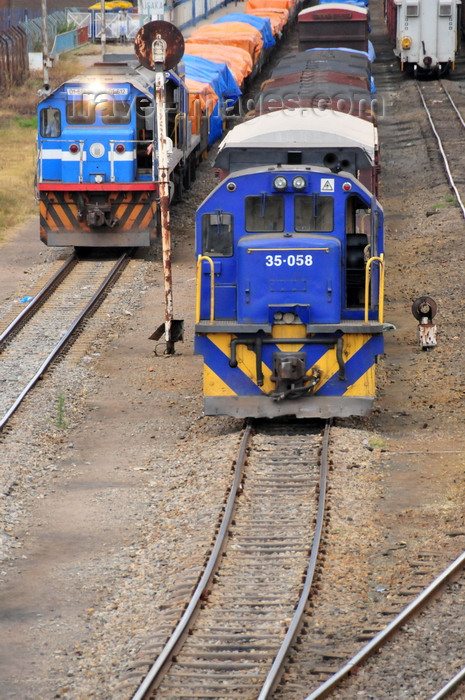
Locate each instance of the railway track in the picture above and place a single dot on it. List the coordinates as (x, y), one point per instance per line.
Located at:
(400, 665)
(245, 613)
(44, 329)
(448, 125)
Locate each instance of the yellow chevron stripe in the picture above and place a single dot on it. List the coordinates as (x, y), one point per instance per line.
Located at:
(134, 213)
(328, 365)
(352, 343)
(62, 215)
(364, 386)
(44, 214)
(245, 359)
(213, 385)
(149, 218)
(74, 209)
(120, 210)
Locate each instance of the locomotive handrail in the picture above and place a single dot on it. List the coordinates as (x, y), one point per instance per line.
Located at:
(368, 265)
(112, 159)
(176, 129)
(81, 161)
(200, 259)
(197, 114)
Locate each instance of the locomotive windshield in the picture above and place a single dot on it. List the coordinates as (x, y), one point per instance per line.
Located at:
(217, 234)
(264, 213)
(314, 213)
(89, 109)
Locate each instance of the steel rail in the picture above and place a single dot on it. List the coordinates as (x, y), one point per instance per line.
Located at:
(450, 686)
(35, 304)
(277, 667)
(454, 106)
(96, 298)
(159, 668)
(443, 154)
(377, 641)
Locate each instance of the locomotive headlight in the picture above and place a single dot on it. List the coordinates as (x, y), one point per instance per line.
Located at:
(289, 317)
(280, 183)
(97, 150)
(299, 183)
(406, 42)
(98, 179)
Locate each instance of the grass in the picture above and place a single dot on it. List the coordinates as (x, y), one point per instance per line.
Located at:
(18, 132)
(377, 442)
(17, 168)
(449, 200)
(60, 421)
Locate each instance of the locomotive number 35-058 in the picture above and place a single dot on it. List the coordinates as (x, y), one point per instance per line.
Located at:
(291, 260)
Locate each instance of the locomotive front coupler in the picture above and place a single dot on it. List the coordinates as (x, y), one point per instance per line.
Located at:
(256, 343)
(290, 377)
(100, 215)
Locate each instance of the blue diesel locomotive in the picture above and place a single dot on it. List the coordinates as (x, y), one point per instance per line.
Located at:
(97, 179)
(290, 273)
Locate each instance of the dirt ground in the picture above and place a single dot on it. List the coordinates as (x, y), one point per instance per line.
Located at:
(138, 449)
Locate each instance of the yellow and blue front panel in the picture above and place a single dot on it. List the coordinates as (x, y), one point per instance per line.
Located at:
(359, 357)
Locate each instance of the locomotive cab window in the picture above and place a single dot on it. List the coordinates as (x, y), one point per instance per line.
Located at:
(217, 234)
(114, 111)
(358, 236)
(314, 213)
(264, 213)
(81, 111)
(50, 122)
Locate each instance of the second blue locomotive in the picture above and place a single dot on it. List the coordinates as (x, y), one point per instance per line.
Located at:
(290, 246)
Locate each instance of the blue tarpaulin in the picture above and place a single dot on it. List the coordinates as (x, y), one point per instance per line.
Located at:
(263, 24)
(217, 75)
(222, 83)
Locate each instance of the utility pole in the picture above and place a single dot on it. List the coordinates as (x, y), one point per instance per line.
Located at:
(103, 29)
(45, 57)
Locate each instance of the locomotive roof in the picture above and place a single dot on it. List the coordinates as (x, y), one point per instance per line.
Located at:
(334, 8)
(303, 129)
(129, 71)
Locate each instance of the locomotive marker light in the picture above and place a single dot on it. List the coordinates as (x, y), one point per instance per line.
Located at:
(424, 309)
(159, 46)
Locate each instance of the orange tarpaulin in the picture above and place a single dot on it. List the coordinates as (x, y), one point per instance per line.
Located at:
(202, 100)
(269, 5)
(230, 34)
(238, 60)
(278, 18)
